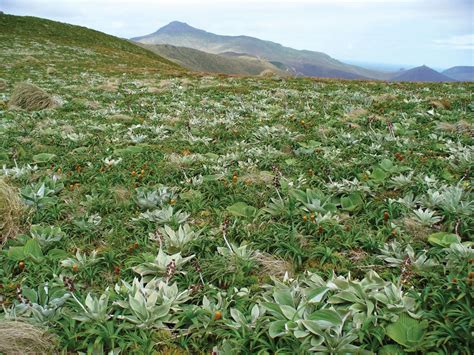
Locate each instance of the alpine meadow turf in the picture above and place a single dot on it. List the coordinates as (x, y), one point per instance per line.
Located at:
(172, 212)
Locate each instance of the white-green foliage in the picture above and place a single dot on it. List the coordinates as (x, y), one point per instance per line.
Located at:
(158, 266)
(165, 215)
(81, 259)
(148, 199)
(176, 240)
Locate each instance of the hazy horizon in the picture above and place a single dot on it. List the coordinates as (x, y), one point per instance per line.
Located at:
(394, 33)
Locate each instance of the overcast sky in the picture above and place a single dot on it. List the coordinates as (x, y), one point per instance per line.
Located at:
(438, 33)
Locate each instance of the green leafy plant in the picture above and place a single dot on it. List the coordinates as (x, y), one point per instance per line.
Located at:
(162, 265)
(407, 331)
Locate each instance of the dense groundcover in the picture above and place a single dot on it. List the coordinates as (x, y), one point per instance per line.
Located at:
(157, 213)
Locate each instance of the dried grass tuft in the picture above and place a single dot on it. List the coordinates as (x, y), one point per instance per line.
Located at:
(109, 86)
(441, 104)
(18, 337)
(31, 98)
(273, 266)
(268, 73)
(120, 118)
(416, 229)
(11, 210)
(461, 126)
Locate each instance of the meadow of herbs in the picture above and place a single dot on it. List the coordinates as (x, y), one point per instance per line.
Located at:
(148, 213)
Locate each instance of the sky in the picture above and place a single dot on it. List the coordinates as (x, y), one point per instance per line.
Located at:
(405, 33)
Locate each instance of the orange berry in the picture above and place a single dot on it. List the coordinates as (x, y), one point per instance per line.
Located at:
(311, 216)
(386, 216)
(117, 270)
(217, 315)
(135, 245)
(305, 218)
(21, 265)
(75, 268)
(133, 173)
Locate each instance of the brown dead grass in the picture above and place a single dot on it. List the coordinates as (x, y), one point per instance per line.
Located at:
(461, 126)
(11, 210)
(273, 266)
(268, 73)
(17, 337)
(441, 104)
(109, 86)
(3, 84)
(31, 98)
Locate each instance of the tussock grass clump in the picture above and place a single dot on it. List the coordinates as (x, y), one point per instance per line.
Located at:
(273, 266)
(50, 71)
(10, 212)
(120, 117)
(3, 84)
(268, 73)
(23, 338)
(109, 86)
(460, 126)
(31, 98)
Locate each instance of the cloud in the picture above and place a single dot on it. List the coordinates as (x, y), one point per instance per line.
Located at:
(457, 42)
(385, 31)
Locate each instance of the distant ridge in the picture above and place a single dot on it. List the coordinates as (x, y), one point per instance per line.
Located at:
(422, 74)
(461, 73)
(298, 62)
(200, 61)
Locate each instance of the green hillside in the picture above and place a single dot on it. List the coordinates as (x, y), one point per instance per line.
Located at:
(29, 45)
(145, 209)
(200, 61)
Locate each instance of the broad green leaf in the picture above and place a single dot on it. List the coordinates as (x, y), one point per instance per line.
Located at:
(43, 157)
(388, 166)
(283, 297)
(288, 311)
(238, 316)
(443, 239)
(241, 209)
(316, 295)
(406, 331)
(313, 327)
(16, 253)
(351, 202)
(378, 175)
(277, 328)
(326, 318)
(33, 250)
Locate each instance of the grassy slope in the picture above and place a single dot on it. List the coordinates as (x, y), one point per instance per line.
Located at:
(200, 61)
(164, 129)
(71, 48)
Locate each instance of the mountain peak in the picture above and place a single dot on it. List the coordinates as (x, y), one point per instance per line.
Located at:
(176, 27)
(422, 74)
